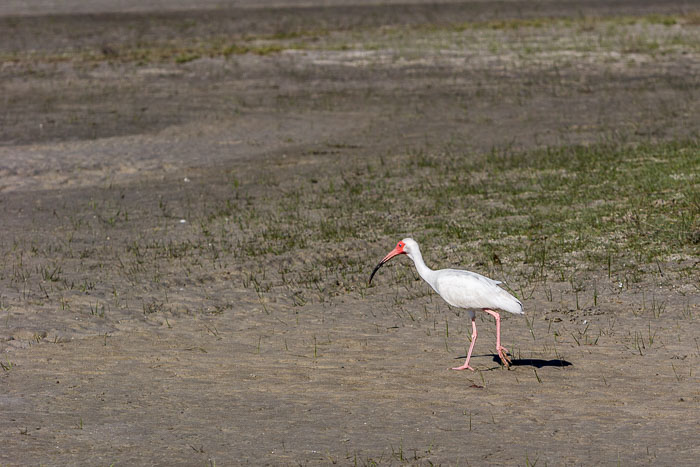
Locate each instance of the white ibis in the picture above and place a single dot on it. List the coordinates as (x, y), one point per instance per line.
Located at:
(462, 289)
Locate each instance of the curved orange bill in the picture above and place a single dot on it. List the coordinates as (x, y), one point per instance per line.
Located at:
(396, 251)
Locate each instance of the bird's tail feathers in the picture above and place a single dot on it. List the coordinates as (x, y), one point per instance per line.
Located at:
(510, 304)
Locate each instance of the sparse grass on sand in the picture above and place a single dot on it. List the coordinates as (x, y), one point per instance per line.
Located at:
(523, 38)
(545, 212)
(186, 247)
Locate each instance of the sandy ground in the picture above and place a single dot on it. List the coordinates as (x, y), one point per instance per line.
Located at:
(128, 338)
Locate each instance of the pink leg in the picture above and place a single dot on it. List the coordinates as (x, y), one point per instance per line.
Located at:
(502, 351)
(471, 347)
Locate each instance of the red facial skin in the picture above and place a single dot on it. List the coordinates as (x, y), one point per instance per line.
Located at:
(395, 252)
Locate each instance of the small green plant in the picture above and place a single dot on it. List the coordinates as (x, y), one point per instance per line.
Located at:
(186, 57)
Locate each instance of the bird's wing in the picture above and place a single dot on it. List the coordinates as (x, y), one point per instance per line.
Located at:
(471, 275)
(466, 289)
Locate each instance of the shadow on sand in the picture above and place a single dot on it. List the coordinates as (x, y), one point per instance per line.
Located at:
(535, 362)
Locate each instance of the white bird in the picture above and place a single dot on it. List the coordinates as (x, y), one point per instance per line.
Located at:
(462, 289)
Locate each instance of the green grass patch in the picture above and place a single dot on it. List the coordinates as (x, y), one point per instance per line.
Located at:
(574, 205)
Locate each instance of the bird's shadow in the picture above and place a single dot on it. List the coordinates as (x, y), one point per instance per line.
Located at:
(536, 362)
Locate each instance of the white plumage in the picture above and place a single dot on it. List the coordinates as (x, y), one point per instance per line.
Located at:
(466, 289)
(462, 289)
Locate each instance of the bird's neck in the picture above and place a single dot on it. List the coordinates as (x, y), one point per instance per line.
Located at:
(427, 274)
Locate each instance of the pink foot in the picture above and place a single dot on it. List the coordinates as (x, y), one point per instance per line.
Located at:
(463, 367)
(503, 354)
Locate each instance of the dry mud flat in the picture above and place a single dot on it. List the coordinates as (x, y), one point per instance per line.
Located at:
(188, 225)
